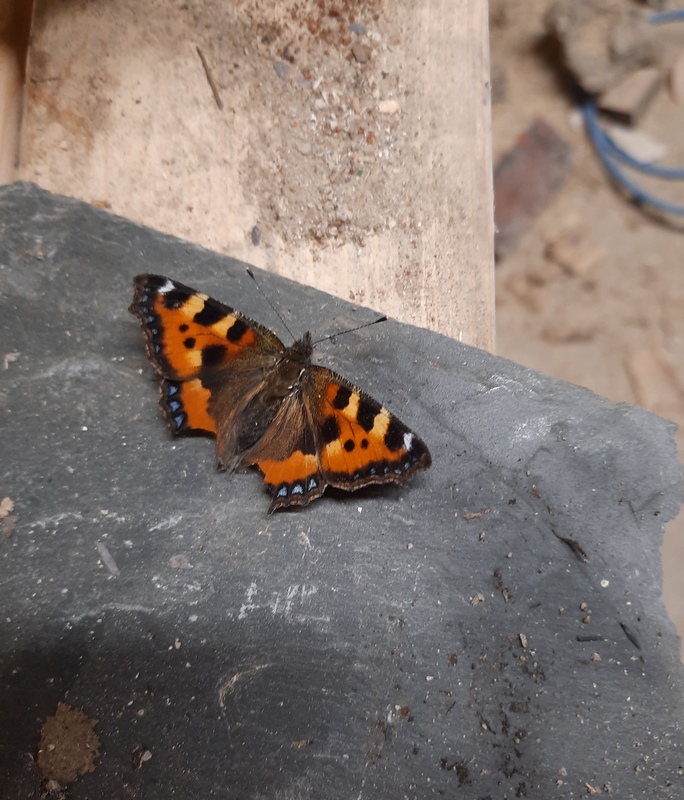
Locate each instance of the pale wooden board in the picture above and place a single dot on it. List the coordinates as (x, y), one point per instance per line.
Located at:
(14, 31)
(119, 112)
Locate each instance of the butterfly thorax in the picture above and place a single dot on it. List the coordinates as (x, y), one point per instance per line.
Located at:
(290, 367)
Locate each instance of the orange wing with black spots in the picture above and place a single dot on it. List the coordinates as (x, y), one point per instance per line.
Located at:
(329, 433)
(360, 442)
(191, 337)
(304, 426)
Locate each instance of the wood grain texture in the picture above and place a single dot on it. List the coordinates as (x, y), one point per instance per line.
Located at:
(119, 112)
(15, 23)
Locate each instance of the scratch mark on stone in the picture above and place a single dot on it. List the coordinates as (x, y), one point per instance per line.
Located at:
(107, 559)
(166, 524)
(248, 605)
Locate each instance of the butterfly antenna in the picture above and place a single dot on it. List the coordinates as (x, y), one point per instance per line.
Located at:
(351, 330)
(268, 300)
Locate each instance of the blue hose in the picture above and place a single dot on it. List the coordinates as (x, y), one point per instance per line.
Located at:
(609, 152)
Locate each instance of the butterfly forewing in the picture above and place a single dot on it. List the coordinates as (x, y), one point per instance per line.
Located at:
(191, 338)
(189, 333)
(360, 441)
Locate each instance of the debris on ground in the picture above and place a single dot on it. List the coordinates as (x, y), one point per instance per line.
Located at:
(68, 746)
(602, 41)
(638, 144)
(631, 96)
(573, 248)
(525, 180)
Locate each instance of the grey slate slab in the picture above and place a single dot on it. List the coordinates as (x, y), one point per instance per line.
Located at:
(444, 639)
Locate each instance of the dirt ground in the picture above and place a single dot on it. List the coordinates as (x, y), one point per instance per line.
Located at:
(612, 322)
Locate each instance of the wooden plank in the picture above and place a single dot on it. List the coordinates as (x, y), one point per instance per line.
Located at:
(352, 152)
(15, 21)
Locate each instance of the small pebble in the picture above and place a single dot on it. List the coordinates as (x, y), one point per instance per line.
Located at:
(361, 52)
(282, 69)
(256, 235)
(180, 561)
(388, 106)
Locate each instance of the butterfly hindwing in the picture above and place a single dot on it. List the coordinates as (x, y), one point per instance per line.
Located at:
(304, 426)
(287, 455)
(333, 434)
(186, 405)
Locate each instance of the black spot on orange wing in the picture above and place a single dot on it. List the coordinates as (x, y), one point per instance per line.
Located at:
(236, 331)
(213, 354)
(366, 414)
(394, 435)
(342, 396)
(361, 442)
(176, 298)
(330, 430)
(209, 315)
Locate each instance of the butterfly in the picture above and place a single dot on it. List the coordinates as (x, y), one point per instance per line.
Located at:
(302, 425)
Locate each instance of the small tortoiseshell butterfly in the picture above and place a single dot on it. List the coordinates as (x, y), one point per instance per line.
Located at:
(304, 426)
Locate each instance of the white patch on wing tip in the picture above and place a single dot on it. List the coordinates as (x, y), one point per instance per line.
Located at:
(167, 287)
(408, 441)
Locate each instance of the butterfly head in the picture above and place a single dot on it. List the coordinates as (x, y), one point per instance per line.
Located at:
(302, 349)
